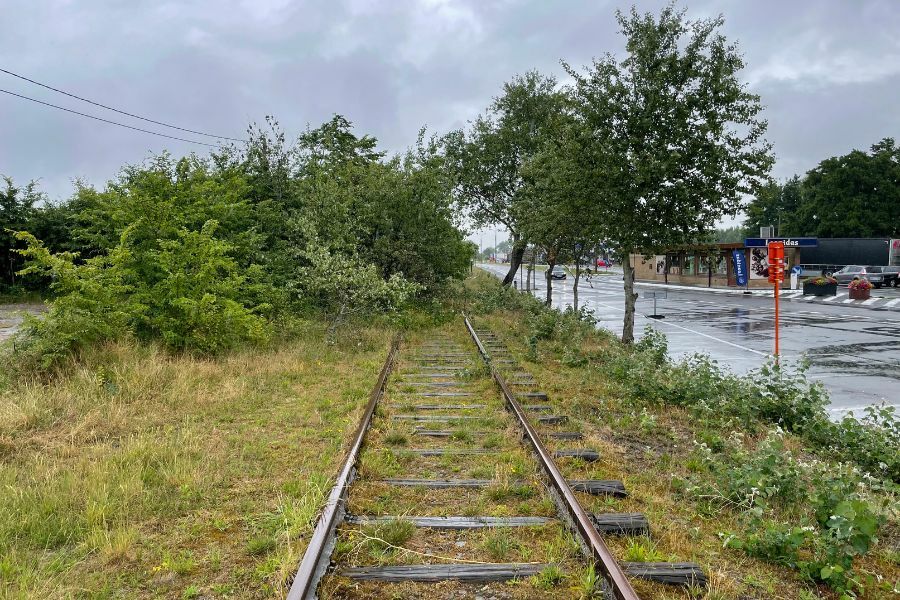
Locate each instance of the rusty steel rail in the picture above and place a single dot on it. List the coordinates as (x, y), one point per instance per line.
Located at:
(604, 560)
(318, 554)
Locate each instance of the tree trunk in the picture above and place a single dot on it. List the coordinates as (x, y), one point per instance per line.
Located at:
(515, 259)
(549, 299)
(575, 287)
(528, 275)
(630, 298)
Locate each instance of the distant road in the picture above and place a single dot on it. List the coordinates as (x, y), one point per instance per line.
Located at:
(11, 316)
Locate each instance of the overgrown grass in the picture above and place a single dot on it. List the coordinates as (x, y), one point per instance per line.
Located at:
(135, 473)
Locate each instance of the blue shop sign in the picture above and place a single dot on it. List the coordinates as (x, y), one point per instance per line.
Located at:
(798, 242)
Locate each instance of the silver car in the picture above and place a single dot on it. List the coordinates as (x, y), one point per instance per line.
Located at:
(851, 272)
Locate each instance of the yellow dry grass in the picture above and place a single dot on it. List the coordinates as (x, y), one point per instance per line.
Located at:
(140, 474)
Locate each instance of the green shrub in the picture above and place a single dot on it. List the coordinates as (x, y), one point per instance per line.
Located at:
(186, 292)
(785, 396)
(775, 394)
(815, 517)
(873, 442)
(751, 480)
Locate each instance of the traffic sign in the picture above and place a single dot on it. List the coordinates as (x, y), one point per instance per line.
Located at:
(655, 295)
(776, 262)
(797, 270)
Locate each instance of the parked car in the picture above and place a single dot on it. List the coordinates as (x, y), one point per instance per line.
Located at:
(602, 262)
(851, 272)
(890, 276)
(558, 272)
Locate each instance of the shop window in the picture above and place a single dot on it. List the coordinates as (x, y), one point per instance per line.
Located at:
(703, 265)
(721, 265)
(674, 261)
(689, 261)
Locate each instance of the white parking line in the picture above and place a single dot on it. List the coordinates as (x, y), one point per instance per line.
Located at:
(712, 337)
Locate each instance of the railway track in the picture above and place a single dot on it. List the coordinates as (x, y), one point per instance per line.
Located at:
(463, 476)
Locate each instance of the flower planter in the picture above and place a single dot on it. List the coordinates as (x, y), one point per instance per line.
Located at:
(815, 289)
(859, 294)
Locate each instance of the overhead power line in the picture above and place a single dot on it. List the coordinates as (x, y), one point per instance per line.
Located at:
(171, 137)
(122, 112)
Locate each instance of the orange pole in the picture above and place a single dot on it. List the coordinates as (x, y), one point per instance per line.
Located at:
(776, 276)
(776, 321)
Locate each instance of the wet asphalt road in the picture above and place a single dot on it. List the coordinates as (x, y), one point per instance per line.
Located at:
(854, 351)
(11, 316)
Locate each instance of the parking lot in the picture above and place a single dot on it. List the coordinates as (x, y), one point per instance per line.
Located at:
(853, 350)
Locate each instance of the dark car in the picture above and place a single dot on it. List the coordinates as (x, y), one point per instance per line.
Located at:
(890, 276)
(558, 272)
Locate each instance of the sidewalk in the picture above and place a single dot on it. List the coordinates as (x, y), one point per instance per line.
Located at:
(842, 298)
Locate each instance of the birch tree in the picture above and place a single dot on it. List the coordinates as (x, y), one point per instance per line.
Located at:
(488, 158)
(671, 139)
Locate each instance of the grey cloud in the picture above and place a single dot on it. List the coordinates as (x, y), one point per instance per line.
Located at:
(827, 71)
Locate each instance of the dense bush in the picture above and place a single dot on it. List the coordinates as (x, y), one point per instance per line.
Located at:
(193, 297)
(204, 253)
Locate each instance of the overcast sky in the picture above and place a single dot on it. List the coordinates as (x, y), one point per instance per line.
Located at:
(828, 71)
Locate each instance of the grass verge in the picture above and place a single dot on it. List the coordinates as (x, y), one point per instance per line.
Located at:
(732, 473)
(139, 474)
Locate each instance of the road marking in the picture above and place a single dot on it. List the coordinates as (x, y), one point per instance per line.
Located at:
(891, 303)
(835, 297)
(712, 337)
(848, 301)
(870, 301)
(706, 335)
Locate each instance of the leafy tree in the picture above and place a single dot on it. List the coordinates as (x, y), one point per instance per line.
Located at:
(775, 205)
(487, 253)
(202, 253)
(410, 227)
(558, 209)
(729, 235)
(670, 137)
(855, 195)
(17, 209)
(488, 159)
